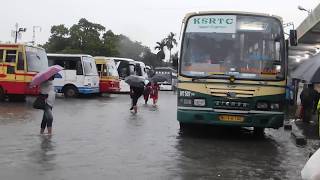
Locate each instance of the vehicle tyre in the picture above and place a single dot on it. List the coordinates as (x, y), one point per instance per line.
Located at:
(2, 94)
(70, 92)
(185, 126)
(17, 98)
(258, 131)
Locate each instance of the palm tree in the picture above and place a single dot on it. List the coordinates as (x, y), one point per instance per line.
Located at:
(170, 43)
(160, 46)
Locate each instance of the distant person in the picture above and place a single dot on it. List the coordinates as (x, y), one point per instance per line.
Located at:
(154, 94)
(47, 90)
(146, 92)
(135, 93)
(308, 98)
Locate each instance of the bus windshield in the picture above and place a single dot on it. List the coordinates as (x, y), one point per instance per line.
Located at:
(36, 59)
(112, 71)
(244, 46)
(89, 65)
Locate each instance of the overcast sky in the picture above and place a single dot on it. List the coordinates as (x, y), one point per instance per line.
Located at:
(147, 21)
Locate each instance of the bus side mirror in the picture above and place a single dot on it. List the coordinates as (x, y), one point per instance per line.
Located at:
(293, 38)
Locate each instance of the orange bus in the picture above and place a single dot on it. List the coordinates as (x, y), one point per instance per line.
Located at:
(109, 77)
(18, 64)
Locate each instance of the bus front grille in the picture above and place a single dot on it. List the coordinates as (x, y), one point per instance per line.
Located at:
(223, 92)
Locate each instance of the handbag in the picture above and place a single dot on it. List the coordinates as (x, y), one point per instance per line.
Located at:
(40, 102)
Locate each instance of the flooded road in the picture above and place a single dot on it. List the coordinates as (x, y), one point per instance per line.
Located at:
(98, 138)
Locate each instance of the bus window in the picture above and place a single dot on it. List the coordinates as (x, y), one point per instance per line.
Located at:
(1, 55)
(20, 65)
(36, 59)
(11, 55)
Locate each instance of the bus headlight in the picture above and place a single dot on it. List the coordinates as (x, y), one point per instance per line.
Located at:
(186, 102)
(274, 106)
(199, 102)
(262, 105)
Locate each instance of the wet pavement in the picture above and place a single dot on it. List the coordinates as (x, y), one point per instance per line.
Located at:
(98, 138)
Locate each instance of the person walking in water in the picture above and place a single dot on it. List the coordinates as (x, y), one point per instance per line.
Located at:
(135, 93)
(308, 98)
(146, 92)
(154, 93)
(47, 90)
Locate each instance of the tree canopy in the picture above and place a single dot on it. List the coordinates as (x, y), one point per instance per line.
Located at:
(87, 37)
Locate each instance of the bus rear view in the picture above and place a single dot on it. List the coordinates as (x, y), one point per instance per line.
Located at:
(232, 70)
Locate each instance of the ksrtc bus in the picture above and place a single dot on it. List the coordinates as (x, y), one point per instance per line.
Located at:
(127, 67)
(109, 78)
(18, 64)
(171, 76)
(232, 70)
(79, 76)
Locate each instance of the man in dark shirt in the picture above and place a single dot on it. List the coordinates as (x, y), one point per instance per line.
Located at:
(309, 98)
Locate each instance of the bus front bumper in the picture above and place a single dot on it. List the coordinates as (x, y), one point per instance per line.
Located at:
(264, 119)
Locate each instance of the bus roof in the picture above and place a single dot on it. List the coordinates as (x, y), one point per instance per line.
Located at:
(16, 45)
(121, 59)
(229, 12)
(68, 55)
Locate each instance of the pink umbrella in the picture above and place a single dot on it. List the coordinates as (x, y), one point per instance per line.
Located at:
(45, 75)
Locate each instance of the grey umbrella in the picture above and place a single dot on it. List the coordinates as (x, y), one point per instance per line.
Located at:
(134, 81)
(159, 78)
(308, 70)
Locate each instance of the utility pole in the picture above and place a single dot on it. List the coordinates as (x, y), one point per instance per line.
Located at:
(17, 32)
(34, 33)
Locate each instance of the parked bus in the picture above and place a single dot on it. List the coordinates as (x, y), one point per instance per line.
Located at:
(79, 76)
(232, 70)
(170, 74)
(109, 78)
(141, 69)
(18, 64)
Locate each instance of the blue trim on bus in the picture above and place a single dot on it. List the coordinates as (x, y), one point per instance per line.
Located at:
(82, 90)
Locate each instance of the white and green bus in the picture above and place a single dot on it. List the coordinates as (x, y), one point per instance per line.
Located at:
(232, 70)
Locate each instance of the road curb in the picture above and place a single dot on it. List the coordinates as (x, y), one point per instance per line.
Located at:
(298, 137)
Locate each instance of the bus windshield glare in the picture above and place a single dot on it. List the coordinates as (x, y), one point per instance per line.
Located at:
(244, 46)
(37, 60)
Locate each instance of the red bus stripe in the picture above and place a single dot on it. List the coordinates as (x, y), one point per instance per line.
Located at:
(8, 46)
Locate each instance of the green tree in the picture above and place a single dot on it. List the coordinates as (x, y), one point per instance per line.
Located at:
(58, 40)
(86, 36)
(170, 43)
(160, 47)
(110, 41)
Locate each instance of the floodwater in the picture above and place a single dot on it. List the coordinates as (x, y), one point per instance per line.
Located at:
(98, 138)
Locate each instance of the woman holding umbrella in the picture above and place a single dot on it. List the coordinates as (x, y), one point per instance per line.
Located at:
(136, 89)
(45, 80)
(135, 93)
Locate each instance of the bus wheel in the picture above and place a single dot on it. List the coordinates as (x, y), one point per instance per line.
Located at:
(70, 92)
(185, 126)
(258, 131)
(17, 98)
(2, 95)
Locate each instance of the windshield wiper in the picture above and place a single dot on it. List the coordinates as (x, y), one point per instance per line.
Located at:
(211, 76)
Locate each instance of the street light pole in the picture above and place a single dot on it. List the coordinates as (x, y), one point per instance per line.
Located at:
(17, 31)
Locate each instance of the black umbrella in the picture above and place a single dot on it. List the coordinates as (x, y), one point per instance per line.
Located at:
(159, 78)
(134, 81)
(308, 70)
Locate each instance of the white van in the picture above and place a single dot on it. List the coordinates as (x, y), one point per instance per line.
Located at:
(79, 76)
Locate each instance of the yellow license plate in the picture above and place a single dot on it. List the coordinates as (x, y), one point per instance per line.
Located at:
(231, 118)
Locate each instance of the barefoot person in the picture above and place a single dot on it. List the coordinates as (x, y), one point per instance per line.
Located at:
(154, 94)
(135, 93)
(47, 90)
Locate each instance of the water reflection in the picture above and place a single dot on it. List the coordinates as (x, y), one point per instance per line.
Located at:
(227, 153)
(44, 156)
(11, 112)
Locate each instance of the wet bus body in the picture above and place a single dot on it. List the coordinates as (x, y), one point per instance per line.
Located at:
(19, 63)
(232, 70)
